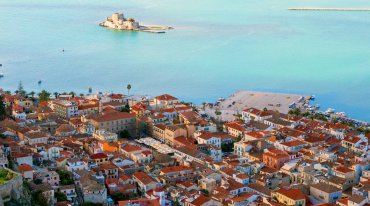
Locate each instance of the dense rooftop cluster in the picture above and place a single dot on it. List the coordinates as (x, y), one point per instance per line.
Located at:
(112, 149)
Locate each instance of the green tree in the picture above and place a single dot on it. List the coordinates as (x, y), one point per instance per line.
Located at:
(176, 120)
(65, 177)
(56, 94)
(176, 203)
(128, 89)
(227, 147)
(296, 112)
(142, 128)
(37, 181)
(21, 90)
(205, 192)
(61, 196)
(239, 137)
(126, 108)
(118, 197)
(32, 93)
(124, 134)
(44, 96)
(39, 199)
(2, 109)
(72, 93)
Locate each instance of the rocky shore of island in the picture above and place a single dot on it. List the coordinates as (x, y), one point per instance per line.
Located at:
(119, 22)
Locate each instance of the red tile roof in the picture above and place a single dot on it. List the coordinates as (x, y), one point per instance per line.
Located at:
(343, 169)
(24, 168)
(98, 156)
(130, 148)
(294, 194)
(112, 116)
(165, 97)
(175, 169)
(143, 177)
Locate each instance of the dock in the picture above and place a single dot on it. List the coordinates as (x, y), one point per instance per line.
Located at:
(331, 9)
(240, 100)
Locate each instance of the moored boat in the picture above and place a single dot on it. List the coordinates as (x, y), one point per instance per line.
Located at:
(330, 110)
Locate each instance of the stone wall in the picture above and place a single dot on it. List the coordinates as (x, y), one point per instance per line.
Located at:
(11, 189)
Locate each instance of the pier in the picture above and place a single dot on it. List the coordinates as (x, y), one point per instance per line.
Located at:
(331, 9)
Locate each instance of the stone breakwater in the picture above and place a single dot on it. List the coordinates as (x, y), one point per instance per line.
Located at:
(331, 9)
(119, 22)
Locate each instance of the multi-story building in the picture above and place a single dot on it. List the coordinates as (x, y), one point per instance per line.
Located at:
(107, 170)
(75, 165)
(113, 121)
(235, 129)
(99, 158)
(173, 131)
(69, 191)
(255, 114)
(159, 132)
(65, 109)
(176, 174)
(105, 135)
(165, 100)
(209, 138)
(144, 181)
(325, 192)
(275, 158)
(35, 137)
(290, 196)
(50, 177)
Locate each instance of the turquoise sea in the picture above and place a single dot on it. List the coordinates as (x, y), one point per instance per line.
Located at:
(216, 48)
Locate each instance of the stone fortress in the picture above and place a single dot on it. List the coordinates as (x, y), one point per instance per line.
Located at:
(119, 22)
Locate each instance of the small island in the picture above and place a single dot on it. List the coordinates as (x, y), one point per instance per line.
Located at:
(119, 22)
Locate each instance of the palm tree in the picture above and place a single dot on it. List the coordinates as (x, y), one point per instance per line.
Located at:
(56, 94)
(128, 89)
(72, 93)
(32, 94)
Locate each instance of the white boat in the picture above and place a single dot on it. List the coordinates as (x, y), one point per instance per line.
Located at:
(342, 114)
(301, 99)
(1, 75)
(312, 97)
(330, 110)
(292, 105)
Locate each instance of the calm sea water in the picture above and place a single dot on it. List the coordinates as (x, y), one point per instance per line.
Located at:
(217, 47)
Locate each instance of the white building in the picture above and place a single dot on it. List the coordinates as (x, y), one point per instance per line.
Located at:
(75, 165)
(105, 135)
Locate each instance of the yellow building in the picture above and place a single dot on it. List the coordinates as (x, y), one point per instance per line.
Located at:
(113, 121)
(158, 131)
(23, 102)
(290, 197)
(173, 131)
